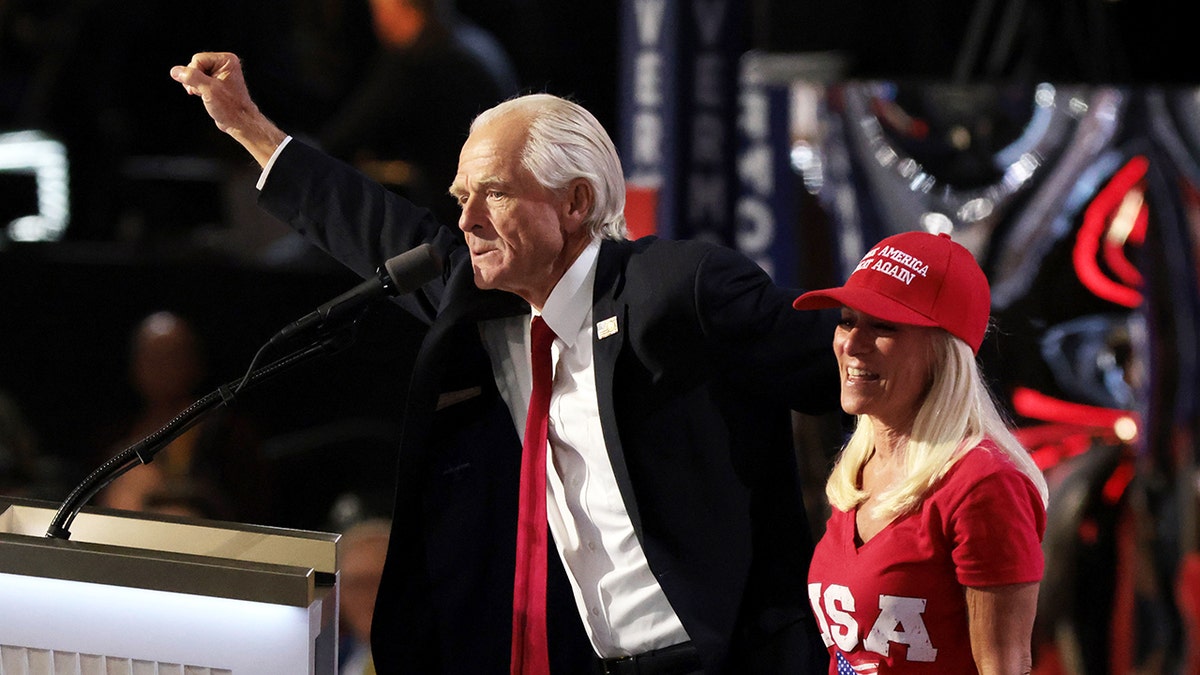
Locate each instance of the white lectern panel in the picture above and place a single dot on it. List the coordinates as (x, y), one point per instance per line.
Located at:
(154, 595)
(84, 618)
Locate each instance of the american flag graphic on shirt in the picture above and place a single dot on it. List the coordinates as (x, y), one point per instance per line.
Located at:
(863, 667)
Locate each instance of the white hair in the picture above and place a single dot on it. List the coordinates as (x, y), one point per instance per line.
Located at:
(566, 142)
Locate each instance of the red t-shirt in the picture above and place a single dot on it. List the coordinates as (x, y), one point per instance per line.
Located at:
(896, 604)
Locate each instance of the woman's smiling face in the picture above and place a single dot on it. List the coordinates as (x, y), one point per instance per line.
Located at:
(886, 368)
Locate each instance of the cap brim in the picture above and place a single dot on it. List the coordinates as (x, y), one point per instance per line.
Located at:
(864, 300)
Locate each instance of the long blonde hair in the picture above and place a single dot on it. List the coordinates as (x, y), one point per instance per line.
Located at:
(957, 414)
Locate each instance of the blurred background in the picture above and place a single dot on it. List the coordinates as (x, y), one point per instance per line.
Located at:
(1059, 140)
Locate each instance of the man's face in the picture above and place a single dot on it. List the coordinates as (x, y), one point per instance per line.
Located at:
(522, 236)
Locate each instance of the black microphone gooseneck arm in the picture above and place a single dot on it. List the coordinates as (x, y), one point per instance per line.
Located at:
(401, 274)
(398, 275)
(144, 450)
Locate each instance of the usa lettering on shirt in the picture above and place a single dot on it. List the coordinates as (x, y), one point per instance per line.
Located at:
(900, 621)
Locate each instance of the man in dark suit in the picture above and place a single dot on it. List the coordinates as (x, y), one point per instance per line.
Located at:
(679, 538)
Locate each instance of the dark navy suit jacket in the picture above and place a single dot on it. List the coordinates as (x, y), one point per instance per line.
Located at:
(694, 392)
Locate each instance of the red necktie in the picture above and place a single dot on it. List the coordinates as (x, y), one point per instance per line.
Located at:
(530, 653)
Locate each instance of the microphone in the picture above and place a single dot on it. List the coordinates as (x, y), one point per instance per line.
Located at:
(399, 275)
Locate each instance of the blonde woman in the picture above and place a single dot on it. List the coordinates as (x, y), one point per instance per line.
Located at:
(931, 559)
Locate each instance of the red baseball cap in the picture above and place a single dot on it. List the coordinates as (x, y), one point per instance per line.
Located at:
(919, 279)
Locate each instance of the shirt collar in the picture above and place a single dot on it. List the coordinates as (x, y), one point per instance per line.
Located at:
(571, 300)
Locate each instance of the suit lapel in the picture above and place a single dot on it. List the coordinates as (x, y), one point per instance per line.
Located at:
(463, 304)
(610, 317)
(464, 301)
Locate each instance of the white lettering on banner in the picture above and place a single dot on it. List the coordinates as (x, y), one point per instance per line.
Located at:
(647, 138)
(755, 169)
(754, 114)
(755, 230)
(756, 227)
(900, 621)
(649, 15)
(648, 79)
(647, 119)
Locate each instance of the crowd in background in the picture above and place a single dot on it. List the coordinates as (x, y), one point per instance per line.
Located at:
(92, 73)
(367, 80)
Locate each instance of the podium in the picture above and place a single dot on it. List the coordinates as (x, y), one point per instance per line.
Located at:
(147, 594)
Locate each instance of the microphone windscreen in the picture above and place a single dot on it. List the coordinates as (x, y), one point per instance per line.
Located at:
(413, 268)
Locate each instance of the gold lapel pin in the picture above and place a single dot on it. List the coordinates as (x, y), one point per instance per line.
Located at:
(606, 327)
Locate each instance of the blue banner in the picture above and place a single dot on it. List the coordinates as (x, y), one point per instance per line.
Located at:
(677, 115)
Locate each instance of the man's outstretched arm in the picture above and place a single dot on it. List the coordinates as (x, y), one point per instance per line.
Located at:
(216, 77)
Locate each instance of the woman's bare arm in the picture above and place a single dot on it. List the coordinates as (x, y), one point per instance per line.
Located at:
(1001, 624)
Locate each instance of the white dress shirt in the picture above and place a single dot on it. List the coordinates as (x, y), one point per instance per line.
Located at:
(262, 177)
(623, 607)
